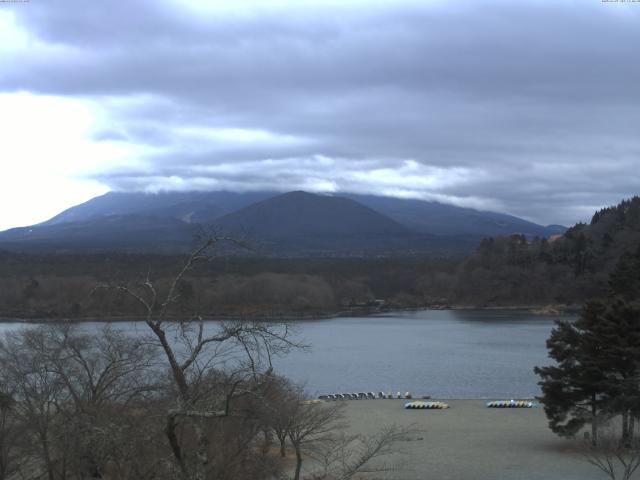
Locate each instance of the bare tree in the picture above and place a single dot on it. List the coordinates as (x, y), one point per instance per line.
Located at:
(105, 375)
(243, 348)
(108, 368)
(345, 456)
(618, 459)
(10, 436)
(279, 402)
(311, 424)
(71, 392)
(39, 395)
(317, 430)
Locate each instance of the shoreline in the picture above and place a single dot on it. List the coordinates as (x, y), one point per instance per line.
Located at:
(542, 310)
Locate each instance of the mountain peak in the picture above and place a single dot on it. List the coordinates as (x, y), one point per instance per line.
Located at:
(295, 222)
(302, 213)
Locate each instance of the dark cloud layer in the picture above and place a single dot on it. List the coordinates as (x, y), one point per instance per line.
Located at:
(529, 107)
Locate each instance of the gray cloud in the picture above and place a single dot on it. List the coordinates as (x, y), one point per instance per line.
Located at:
(528, 107)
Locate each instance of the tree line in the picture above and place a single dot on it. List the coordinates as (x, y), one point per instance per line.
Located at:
(568, 269)
(42, 287)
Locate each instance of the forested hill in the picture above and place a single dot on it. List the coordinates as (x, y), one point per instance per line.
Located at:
(566, 269)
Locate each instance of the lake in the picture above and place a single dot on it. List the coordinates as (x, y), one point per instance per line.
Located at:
(443, 353)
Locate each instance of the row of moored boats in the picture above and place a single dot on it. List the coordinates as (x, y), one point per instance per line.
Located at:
(419, 404)
(367, 396)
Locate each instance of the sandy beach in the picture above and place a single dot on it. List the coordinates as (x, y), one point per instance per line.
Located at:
(471, 442)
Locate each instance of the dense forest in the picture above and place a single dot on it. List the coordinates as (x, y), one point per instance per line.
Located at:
(504, 271)
(567, 269)
(77, 286)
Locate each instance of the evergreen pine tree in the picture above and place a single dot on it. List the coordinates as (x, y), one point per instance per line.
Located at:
(597, 374)
(618, 332)
(574, 390)
(624, 281)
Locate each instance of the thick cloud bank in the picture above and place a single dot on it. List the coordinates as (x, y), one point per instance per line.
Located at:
(529, 107)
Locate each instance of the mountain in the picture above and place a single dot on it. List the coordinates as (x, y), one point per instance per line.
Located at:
(441, 219)
(294, 223)
(300, 222)
(191, 207)
(134, 233)
(305, 214)
(205, 207)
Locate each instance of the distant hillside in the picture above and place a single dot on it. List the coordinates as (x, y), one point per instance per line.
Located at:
(306, 214)
(134, 233)
(569, 269)
(296, 223)
(204, 207)
(190, 207)
(442, 219)
(300, 222)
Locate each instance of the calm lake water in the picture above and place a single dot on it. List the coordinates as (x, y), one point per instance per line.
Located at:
(443, 353)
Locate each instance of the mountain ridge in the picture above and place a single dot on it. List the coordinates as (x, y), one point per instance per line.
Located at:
(290, 223)
(302, 213)
(219, 203)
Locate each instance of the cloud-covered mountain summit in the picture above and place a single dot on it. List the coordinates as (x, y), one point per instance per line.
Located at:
(294, 223)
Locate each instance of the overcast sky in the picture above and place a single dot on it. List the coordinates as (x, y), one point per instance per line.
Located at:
(528, 107)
